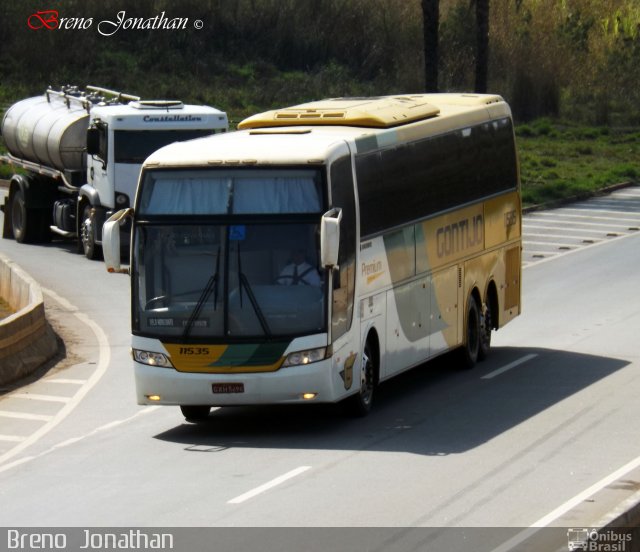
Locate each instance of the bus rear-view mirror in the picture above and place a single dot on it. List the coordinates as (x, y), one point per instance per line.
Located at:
(330, 237)
(111, 240)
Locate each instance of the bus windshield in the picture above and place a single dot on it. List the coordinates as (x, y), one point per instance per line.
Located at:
(224, 275)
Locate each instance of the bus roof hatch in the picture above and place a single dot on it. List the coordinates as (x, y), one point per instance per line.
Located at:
(381, 112)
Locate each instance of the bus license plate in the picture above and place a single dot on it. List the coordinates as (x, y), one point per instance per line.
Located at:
(228, 387)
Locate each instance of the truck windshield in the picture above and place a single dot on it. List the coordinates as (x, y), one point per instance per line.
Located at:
(134, 146)
(247, 268)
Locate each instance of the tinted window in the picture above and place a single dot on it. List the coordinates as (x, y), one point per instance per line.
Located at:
(413, 181)
(342, 195)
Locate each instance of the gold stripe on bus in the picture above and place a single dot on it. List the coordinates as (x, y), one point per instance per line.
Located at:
(202, 359)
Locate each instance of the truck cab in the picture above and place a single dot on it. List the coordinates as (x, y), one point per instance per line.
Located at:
(81, 152)
(119, 139)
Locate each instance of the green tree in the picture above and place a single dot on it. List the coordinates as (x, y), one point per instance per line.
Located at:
(482, 45)
(430, 23)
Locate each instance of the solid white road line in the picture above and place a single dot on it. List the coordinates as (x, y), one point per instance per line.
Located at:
(72, 440)
(270, 485)
(509, 366)
(104, 357)
(515, 541)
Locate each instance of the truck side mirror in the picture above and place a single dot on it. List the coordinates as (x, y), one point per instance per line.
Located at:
(93, 141)
(111, 240)
(330, 237)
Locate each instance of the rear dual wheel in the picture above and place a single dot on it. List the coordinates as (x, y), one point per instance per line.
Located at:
(478, 333)
(27, 224)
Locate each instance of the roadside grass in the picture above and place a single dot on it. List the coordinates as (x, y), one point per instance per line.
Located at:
(560, 160)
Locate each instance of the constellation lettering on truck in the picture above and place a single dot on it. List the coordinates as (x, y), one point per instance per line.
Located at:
(171, 119)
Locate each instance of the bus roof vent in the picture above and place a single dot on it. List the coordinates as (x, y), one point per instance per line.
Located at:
(381, 112)
(157, 104)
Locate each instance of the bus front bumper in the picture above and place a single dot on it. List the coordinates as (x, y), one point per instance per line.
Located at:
(297, 384)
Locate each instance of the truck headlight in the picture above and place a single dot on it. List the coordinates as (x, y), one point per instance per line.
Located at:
(151, 358)
(305, 357)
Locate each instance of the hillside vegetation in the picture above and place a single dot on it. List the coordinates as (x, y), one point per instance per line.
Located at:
(573, 58)
(576, 62)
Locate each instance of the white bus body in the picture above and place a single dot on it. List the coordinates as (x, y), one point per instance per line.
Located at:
(424, 191)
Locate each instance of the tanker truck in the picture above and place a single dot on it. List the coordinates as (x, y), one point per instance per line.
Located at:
(80, 152)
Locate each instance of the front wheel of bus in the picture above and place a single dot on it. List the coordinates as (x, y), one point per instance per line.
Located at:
(195, 413)
(362, 401)
(471, 347)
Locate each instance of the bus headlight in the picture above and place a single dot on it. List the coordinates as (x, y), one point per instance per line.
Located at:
(152, 359)
(305, 357)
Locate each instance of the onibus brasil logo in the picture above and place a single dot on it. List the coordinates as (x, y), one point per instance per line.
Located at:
(603, 540)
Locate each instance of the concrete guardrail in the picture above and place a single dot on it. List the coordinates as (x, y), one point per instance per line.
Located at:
(26, 340)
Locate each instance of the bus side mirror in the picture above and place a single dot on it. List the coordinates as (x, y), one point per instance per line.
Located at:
(111, 240)
(330, 237)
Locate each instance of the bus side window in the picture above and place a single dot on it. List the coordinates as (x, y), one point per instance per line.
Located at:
(342, 195)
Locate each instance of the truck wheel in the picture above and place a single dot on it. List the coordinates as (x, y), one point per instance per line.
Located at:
(23, 220)
(87, 233)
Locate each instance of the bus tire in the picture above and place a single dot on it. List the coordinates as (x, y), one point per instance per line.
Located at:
(471, 348)
(195, 413)
(486, 325)
(360, 404)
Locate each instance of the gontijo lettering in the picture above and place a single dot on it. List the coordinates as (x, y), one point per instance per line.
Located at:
(461, 235)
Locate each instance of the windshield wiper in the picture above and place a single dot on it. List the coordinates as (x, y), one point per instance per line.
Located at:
(244, 282)
(212, 286)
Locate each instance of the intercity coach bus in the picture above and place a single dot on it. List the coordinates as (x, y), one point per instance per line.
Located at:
(322, 249)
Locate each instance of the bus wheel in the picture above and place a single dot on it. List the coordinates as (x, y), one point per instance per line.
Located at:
(485, 332)
(195, 413)
(471, 348)
(362, 401)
